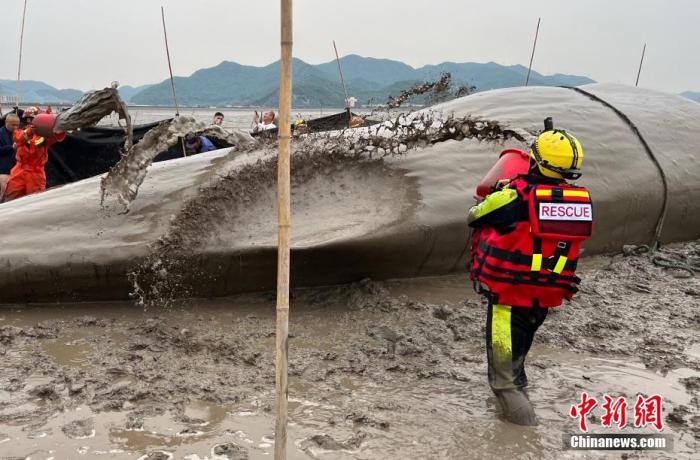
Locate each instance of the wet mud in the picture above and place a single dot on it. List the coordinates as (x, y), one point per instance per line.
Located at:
(437, 91)
(390, 369)
(122, 182)
(93, 107)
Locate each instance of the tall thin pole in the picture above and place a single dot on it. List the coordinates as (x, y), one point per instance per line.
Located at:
(284, 220)
(170, 67)
(534, 45)
(640, 65)
(19, 65)
(172, 80)
(342, 81)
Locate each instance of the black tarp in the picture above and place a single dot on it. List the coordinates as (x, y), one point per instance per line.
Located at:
(93, 151)
(87, 153)
(327, 123)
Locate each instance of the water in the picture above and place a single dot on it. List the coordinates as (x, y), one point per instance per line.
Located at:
(238, 118)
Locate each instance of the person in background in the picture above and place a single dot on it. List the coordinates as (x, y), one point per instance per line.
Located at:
(7, 149)
(300, 126)
(356, 121)
(267, 122)
(218, 119)
(20, 113)
(198, 144)
(28, 175)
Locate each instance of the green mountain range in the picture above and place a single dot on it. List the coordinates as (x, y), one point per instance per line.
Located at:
(370, 80)
(38, 92)
(367, 79)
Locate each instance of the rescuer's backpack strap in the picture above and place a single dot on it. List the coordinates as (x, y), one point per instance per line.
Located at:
(536, 263)
(561, 256)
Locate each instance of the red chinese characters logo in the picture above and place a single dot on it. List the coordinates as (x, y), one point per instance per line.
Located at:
(647, 411)
(615, 412)
(582, 410)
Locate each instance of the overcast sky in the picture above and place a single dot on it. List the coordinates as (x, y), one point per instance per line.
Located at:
(85, 44)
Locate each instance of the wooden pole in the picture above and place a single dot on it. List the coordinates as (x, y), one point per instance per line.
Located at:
(19, 65)
(172, 80)
(170, 67)
(534, 45)
(639, 72)
(342, 81)
(284, 220)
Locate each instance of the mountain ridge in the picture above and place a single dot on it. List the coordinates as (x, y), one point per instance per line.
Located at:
(371, 80)
(367, 79)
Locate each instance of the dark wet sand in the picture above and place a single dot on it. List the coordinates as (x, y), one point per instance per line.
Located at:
(378, 370)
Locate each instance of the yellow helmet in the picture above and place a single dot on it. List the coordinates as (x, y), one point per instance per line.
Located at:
(558, 154)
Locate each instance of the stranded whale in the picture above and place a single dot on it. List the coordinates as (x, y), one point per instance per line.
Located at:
(380, 202)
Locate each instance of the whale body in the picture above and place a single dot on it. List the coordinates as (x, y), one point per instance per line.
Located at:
(206, 225)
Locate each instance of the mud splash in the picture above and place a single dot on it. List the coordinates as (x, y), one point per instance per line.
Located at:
(124, 179)
(378, 370)
(433, 92)
(172, 269)
(223, 215)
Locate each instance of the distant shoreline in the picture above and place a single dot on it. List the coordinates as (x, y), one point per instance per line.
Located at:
(24, 104)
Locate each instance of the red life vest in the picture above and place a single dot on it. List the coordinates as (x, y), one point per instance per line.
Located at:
(534, 265)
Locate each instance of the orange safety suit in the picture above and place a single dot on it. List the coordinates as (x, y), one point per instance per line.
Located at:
(28, 176)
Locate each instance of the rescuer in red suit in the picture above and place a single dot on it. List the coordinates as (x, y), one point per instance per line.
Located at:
(525, 245)
(28, 175)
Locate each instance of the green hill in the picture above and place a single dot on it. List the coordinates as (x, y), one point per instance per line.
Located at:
(230, 83)
(378, 71)
(38, 92)
(367, 79)
(125, 92)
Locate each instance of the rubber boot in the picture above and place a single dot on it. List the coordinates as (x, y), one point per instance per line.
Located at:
(516, 407)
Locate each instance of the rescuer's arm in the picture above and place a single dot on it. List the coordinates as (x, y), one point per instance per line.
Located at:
(499, 209)
(22, 136)
(57, 137)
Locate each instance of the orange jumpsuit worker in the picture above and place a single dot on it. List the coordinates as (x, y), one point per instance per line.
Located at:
(28, 176)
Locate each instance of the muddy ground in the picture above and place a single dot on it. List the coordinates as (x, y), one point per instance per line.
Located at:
(378, 370)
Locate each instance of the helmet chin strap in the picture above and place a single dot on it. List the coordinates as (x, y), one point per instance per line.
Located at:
(574, 161)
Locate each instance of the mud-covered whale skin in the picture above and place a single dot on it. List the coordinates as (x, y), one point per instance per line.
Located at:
(206, 225)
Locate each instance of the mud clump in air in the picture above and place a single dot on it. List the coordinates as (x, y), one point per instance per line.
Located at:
(91, 108)
(125, 178)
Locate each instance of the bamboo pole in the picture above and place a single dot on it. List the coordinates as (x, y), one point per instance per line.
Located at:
(639, 72)
(170, 67)
(534, 45)
(19, 65)
(284, 220)
(172, 80)
(342, 81)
